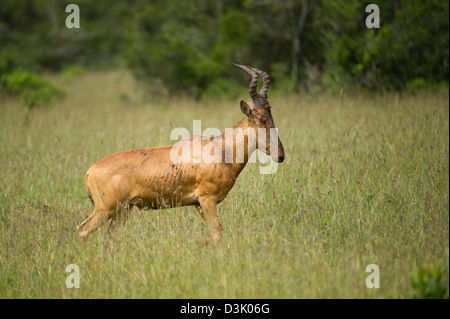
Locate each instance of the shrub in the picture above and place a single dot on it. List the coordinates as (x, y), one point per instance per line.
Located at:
(416, 84)
(34, 90)
(431, 283)
(71, 71)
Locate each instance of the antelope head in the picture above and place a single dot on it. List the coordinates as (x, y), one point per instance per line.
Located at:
(258, 112)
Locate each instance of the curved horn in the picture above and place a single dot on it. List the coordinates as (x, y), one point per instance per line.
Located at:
(253, 81)
(266, 82)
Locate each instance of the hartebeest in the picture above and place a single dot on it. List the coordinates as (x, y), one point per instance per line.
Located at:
(148, 178)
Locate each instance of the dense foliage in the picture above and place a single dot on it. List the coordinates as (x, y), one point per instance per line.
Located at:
(188, 46)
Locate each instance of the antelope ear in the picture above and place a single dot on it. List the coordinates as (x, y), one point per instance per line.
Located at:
(245, 108)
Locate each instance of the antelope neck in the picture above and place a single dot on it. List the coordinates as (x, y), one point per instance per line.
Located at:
(237, 141)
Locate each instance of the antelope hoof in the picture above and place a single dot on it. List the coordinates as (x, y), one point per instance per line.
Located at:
(216, 238)
(82, 236)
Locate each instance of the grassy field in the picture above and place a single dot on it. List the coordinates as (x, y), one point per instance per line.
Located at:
(365, 181)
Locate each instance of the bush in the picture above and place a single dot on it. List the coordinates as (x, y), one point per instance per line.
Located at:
(416, 84)
(70, 71)
(430, 283)
(34, 90)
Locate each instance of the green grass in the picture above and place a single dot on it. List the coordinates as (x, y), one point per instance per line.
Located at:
(365, 181)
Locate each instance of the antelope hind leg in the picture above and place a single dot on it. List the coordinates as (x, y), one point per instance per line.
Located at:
(94, 222)
(119, 219)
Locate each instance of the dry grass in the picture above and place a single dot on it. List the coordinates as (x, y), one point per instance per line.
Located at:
(365, 181)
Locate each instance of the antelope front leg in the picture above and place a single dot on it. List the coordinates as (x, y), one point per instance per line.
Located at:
(208, 210)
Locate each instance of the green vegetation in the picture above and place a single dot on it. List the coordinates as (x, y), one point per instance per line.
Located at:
(33, 89)
(431, 283)
(362, 113)
(187, 47)
(365, 181)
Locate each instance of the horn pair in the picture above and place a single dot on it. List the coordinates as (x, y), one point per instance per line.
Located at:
(260, 99)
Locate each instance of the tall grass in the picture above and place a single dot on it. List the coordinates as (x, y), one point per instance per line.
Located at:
(365, 181)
